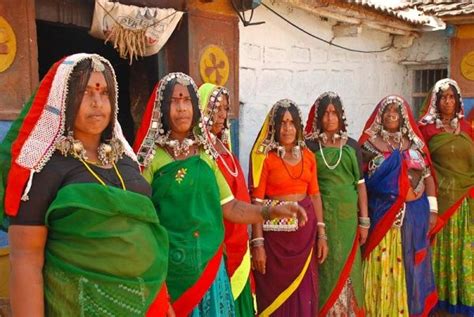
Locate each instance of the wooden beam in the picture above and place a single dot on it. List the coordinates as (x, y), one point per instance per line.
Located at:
(79, 12)
(354, 14)
(75, 12)
(461, 19)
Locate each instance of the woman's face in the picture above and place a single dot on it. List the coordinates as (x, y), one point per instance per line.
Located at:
(447, 103)
(330, 121)
(391, 118)
(95, 109)
(287, 130)
(219, 117)
(181, 110)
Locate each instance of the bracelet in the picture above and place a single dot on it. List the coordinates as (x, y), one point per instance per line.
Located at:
(257, 239)
(266, 212)
(433, 202)
(321, 224)
(256, 242)
(323, 236)
(364, 222)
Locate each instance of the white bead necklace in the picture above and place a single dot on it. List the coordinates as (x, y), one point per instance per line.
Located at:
(331, 167)
(234, 172)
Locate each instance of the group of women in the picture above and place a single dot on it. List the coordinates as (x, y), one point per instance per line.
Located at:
(100, 228)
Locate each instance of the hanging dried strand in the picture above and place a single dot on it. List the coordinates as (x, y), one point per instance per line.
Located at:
(129, 43)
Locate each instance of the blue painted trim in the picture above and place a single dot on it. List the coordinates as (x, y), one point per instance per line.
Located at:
(4, 126)
(234, 132)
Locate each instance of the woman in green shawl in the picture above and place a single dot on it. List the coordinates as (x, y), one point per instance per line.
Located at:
(85, 238)
(344, 197)
(449, 139)
(191, 197)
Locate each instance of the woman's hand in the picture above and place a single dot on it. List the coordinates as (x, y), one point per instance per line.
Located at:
(322, 246)
(433, 220)
(289, 210)
(363, 233)
(259, 258)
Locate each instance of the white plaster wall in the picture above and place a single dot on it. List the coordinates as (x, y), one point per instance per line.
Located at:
(278, 61)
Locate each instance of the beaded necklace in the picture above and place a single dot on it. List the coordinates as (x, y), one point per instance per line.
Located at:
(98, 177)
(331, 167)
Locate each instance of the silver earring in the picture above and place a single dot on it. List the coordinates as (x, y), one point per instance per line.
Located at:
(296, 152)
(281, 151)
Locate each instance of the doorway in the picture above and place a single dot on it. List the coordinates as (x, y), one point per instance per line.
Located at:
(135, 82)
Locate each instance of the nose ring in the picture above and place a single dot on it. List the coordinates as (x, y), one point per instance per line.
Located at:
(393, 117)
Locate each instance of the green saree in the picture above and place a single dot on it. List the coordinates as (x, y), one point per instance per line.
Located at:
(104, 254)
(187, 196)
(453, 259)
(339, 195)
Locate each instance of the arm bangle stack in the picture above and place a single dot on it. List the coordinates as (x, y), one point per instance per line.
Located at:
(323, 236)
(364, 222)
(255, 242)
(433, 202)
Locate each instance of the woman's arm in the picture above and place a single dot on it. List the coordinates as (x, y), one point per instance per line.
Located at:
(430, 188)
(241, 212)
(321, 237)
(27, 245)
(363, 212)
(257, 248)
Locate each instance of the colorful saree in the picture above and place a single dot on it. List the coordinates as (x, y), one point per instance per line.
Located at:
(77, 281)
(236, 243)
(398, 274)
(339, 195)
(339, 174)
(453, 165)
(103, 254)
(288, 287)
(407, 245)
(186, 197)
(453, 255)
(237, 253)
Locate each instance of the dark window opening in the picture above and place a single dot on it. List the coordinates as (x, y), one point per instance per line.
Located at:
(423, 81)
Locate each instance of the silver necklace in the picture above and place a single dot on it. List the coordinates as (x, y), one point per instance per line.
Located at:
(180, 148)
(331, 167)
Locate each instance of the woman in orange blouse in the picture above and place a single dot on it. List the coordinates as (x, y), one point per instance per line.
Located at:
(284, 171)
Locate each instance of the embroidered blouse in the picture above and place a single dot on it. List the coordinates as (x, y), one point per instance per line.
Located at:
(162, 158)
(280, 178)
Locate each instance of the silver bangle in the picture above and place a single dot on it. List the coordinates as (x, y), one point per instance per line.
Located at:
(323, 236)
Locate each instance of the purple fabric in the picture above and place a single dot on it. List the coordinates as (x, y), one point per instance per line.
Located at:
(286, 255)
